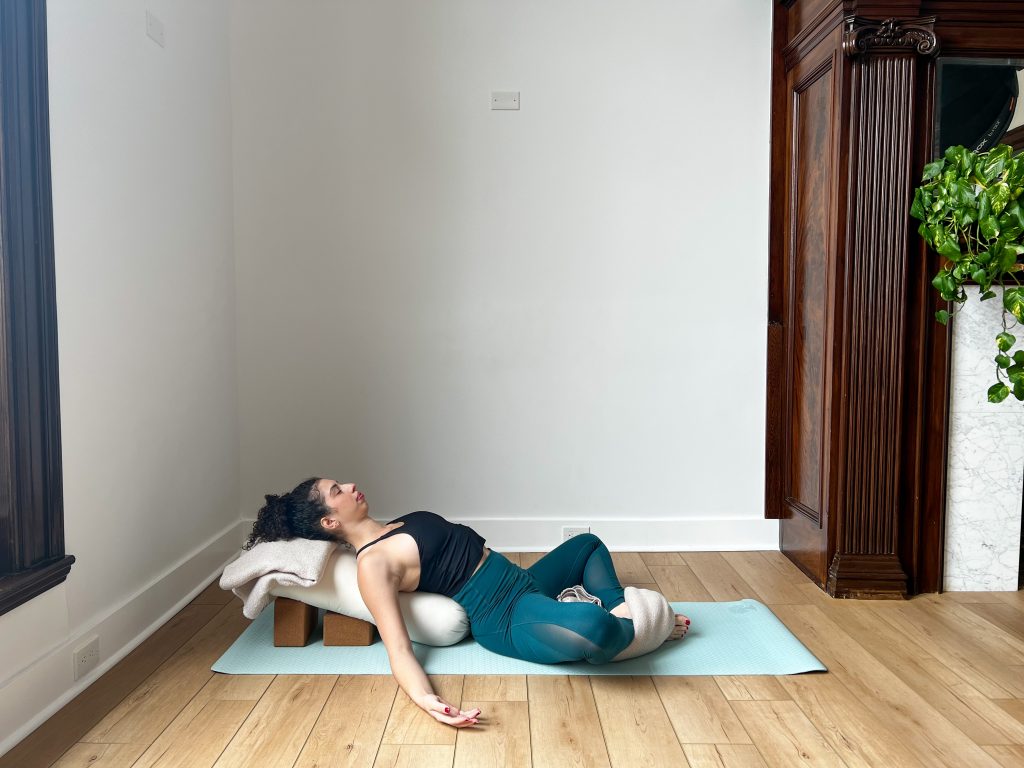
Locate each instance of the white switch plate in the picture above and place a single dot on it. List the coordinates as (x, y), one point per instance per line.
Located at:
(504, 99)
(155, 29)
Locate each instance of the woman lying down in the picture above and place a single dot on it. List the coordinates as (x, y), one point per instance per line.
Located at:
(568, 606)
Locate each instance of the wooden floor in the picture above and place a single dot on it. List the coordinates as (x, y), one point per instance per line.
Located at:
(937, 680)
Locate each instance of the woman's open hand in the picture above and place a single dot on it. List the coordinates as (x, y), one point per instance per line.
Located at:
(447, 713)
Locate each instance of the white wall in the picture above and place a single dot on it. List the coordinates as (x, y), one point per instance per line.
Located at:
(140, 138)
(540, 316)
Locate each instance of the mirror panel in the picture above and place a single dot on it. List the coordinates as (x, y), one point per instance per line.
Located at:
(978, 104)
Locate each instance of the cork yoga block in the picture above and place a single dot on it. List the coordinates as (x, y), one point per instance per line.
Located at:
(345, 630)
(294, 622)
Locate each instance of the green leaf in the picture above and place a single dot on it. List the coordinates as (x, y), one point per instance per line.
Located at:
(984, 205)
(998, 392)
(1003, 361)
(1011, 231)
(1013, 301)
(1008, 257)
(989, 227)
(932, 170)
(1000, 194)
(979, 276)
(950, 249)
(942, 316)
(995, 164)
(945, 285)
(1018, 357)
(953, 154)
(1005, 340)
(917, 208)
(987, 295)
(1015, 373)
(1018, 390)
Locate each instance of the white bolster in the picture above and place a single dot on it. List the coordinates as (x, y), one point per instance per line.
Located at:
(431, 619)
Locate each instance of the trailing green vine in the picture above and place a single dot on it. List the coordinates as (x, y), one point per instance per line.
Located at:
(971, 214)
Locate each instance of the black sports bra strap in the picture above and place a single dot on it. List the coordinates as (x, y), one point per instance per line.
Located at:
(392, 532)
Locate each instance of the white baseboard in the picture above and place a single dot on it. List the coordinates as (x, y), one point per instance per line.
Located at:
(685, 535)
(35, 693)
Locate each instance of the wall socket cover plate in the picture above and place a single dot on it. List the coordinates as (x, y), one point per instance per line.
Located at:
(86, 657)
(568, 531)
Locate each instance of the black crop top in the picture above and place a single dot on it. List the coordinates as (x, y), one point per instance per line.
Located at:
(449, 552)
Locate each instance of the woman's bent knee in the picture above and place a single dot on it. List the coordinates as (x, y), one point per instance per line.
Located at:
(608, 634)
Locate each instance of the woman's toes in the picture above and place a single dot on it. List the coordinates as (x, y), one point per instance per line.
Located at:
(681, 628)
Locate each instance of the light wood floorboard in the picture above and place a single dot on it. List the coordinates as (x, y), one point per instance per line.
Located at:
(413, 756)
(501, 740)
(565, 728)
(937, 680)
(723, 756)
(349, 730)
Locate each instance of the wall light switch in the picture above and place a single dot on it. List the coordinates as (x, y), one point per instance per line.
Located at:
(155, 29)
(504, 99)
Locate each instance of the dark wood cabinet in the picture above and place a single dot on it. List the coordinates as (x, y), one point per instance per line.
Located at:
(858, 370)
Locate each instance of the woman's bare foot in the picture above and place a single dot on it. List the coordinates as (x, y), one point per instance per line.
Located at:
(682, 622)
(681, 628)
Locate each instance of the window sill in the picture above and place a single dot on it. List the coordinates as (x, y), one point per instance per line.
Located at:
(21, 587)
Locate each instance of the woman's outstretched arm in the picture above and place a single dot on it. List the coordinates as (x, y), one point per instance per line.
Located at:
(378, 586)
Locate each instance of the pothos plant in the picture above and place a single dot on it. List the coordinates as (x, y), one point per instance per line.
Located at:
(972, 215)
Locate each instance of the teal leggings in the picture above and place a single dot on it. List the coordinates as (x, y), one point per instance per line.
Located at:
(514, 612)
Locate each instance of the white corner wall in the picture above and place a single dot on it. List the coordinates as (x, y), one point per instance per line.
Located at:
(140, 139)
(517, 319)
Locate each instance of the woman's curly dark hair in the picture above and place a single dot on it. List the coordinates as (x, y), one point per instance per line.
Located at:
(295, 515)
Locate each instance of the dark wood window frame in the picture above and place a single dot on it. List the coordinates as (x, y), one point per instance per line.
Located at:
(32, 557)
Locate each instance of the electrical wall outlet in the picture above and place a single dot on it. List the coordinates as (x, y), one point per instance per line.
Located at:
(87, 657)
(568, 531)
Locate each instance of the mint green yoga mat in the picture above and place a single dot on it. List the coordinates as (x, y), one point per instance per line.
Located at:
(736, 638)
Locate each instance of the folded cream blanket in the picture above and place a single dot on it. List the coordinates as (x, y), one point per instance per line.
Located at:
(299, 562)
(653, 621)
(653, 617)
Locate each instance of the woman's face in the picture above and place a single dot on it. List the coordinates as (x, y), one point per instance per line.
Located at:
(344, 500)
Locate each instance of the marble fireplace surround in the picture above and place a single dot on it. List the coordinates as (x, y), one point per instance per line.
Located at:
(985, 463)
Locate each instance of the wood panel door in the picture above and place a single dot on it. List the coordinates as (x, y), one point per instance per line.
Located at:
(806, 312)
(843, 442)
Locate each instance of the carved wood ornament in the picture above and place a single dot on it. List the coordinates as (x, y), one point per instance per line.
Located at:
(865, 36)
